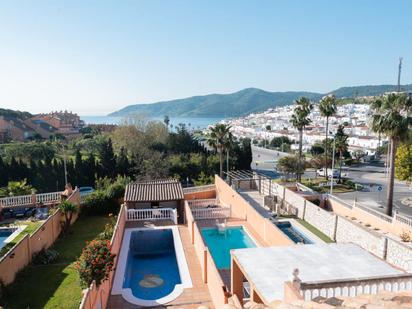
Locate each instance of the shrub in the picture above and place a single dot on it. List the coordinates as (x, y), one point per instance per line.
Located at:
(405, 236)
(107, 198)
(108, 229)
(95, 262)
(45, 256)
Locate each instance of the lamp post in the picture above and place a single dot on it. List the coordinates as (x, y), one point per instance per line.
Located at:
(333, 166)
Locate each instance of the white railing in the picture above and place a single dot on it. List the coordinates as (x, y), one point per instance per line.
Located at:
(47, 198)
(25, 200)
(152, 214)
(20, 200)
(352, 288)
(402, 219)
(199, 189)
(211, 213)
(202, 203)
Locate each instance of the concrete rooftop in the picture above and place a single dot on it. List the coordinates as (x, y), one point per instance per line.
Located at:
(268, 268)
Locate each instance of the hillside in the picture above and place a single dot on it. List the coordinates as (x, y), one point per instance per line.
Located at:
(10, 114)
(360, 91)
(243, 102)
(218, 105)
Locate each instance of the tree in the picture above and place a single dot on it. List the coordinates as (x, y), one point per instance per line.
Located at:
(220, 139)
(68, 209)
(107, 159)
(403, 162)
(15, 188)
(327, 108)
(289, 165)
(277, 142)
(166, 120)
(299, 120)
(341, 146)
(391, 117)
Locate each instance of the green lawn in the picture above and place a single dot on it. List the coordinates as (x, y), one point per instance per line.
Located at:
(30, 228)
(315, 231)
(313, 183)
(55, 285)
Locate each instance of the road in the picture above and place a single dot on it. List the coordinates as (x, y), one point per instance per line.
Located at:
(370, 176)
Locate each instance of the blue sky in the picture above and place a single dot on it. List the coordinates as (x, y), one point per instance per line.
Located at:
(94, 57)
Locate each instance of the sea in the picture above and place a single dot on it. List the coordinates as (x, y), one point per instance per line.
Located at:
(192, 122)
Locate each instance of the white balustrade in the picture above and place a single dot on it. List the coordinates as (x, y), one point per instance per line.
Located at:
(403, 219)
(211, 213)
(27, 200)
(352, 288)
(20, 200)
(152, 214)
(46, 198)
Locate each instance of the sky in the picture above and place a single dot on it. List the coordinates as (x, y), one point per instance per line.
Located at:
(95, 57)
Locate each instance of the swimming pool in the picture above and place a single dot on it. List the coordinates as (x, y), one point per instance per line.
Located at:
(4, 234)
(220, 243)
(152, 268)
(294, 233)
(7, 234)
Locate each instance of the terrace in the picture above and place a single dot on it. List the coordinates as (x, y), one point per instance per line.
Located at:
(231, 233)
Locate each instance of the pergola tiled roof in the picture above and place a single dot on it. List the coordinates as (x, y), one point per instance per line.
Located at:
(154, 191)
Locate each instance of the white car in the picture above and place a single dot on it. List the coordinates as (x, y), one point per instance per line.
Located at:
(321, 172)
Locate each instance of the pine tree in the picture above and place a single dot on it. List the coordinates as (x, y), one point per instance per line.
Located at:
(107, 159)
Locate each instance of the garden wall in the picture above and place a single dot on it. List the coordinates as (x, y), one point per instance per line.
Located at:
(241, 209)
(351, 232)
(98, 296)
(321, 219)
(21, 254)
(399, 255)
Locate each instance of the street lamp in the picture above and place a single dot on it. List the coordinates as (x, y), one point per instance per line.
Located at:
(333, 166)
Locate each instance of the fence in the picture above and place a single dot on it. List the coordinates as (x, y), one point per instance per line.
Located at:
(31, 199)
(211, 213)
(98, 296)
(198, 189)
(152, 214)
(210, 274)
(242, 210)
(354, 287)
(21, 254)
(202, 203)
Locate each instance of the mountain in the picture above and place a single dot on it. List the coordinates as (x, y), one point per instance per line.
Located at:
(361, 91)
(240, 103)
(243, 102)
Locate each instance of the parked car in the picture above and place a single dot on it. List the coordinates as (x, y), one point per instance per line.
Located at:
(321, 172)
(21, 212)
(41, 213)
(85, 190)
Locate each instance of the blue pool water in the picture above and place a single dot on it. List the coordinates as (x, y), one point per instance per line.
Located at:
(151, 270)
(293, 233)
(4, 234)
(221, 243)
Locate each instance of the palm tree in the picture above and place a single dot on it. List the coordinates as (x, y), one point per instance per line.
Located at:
(299, 120)
(341, 145)
(220, 139)
(327, 108)
(68, 209)
(166, 120)
(392, 117)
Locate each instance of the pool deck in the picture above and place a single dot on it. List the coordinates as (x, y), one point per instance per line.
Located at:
(190, 298)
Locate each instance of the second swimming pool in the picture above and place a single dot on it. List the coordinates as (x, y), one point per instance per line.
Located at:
(220, 243)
